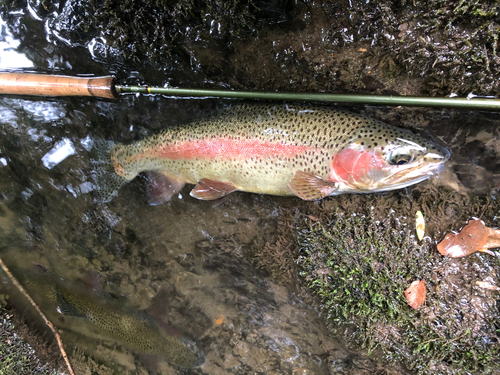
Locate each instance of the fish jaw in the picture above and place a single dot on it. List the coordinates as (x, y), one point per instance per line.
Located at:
(360, 170)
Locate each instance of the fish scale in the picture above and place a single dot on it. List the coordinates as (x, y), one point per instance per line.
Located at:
(279, 149)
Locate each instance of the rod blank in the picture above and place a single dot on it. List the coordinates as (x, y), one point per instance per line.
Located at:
(414, 101)
(104, 87)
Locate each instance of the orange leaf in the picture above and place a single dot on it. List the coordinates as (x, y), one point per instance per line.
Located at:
(415, 294)
(493, 238)
(486, 285)
(475, 236)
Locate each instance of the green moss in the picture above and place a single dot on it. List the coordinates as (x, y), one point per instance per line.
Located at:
(359, 266)
(360, 270)
(17, 356)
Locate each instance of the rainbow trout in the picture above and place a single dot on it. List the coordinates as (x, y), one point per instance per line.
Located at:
(307, 151)
(138, 332)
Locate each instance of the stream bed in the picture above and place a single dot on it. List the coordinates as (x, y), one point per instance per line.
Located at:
(231, 286)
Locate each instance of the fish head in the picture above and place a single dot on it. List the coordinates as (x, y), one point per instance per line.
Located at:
(385, 158)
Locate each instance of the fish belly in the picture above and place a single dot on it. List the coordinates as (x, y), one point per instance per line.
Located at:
(251, 175)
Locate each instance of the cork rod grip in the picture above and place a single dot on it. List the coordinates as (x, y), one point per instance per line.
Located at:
(53, 85)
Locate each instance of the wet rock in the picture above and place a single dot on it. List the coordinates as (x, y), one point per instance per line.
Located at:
(433, 47)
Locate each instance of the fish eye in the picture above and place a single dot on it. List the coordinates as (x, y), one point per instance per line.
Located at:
(400, 156)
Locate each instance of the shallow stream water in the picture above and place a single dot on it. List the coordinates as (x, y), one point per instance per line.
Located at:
(185, 264)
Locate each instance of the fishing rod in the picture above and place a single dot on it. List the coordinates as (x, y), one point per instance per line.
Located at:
(106, 87)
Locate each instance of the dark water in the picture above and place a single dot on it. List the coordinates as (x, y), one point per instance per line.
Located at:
(184, 264)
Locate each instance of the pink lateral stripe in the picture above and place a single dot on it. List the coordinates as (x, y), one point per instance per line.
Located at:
(227, 148)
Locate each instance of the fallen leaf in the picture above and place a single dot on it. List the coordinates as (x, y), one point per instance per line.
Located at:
(493, 238)
(415, 294)
(486, 285)
(475, 236)
(420, 225)
(219, 320)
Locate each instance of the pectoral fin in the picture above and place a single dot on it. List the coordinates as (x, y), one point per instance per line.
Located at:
(309, 187)
(161, 188)
(209, 190)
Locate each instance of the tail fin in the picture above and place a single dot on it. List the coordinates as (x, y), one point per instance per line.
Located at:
(107, 182)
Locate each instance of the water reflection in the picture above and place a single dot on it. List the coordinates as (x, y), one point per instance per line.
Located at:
(58, 153)
(40, 111)
(10, 58)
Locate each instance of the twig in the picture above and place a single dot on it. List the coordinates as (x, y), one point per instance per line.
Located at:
(457, 338)
(47, 321)
(484, 209)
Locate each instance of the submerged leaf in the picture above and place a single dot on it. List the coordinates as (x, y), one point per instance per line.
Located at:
(415, 294)
(475, 236)
(486, 285)
(420, 225)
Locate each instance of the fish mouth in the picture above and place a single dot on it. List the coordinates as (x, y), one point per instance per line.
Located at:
(445, 154)
(410, 176)
(400, 179)
(424, 163)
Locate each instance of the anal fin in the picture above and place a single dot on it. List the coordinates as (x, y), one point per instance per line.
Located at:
(310, 187)
(161, 188)
(209, 190)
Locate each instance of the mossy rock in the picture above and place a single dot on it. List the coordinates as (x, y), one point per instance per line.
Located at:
(360, 264)
(17, 356)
